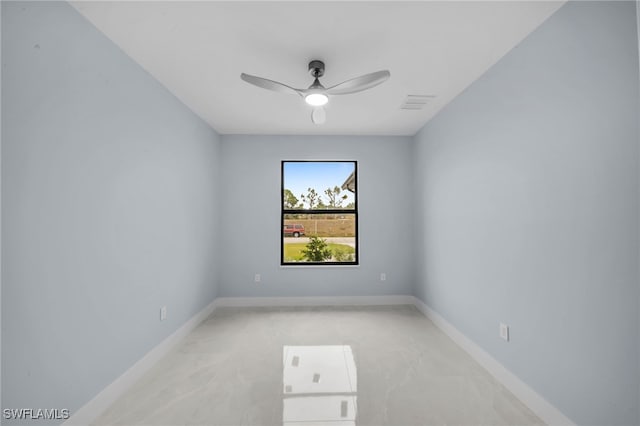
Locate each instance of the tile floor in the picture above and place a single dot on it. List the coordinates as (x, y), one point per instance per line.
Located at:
(317, 366)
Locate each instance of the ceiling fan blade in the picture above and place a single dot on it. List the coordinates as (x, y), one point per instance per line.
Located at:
(359, 84)
(269, 84)
(318, 115)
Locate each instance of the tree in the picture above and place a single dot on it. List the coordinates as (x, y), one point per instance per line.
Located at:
(335, 200)
(290, 201)
(317, 250)
(311, 199)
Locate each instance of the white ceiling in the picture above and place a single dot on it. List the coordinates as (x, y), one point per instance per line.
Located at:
(198, 50)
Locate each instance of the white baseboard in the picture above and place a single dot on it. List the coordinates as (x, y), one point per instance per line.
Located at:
(315, 301)
(536, 403)
(92, 409)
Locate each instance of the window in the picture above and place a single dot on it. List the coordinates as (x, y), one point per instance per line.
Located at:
(319, 213)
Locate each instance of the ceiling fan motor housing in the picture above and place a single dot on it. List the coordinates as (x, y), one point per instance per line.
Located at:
(316, 68)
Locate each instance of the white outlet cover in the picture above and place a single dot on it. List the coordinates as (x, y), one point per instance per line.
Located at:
(504, 332)
(163, 313)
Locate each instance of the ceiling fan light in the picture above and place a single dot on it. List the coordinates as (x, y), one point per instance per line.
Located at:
(316, 99)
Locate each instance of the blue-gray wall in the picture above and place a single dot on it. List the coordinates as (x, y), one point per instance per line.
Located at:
(251, 216)
(638, 121)
(109, 195)
(527, 205)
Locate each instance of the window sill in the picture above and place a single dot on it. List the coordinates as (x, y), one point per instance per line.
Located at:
(292, 266)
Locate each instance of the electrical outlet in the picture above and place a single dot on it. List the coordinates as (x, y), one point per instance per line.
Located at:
(257, 278)
(163, 313)
(504, 332)
(383, 276)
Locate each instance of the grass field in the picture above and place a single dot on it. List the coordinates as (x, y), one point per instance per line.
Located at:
(293, 251)
(327, 227)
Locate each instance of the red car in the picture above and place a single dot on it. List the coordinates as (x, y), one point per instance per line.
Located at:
(291, 230)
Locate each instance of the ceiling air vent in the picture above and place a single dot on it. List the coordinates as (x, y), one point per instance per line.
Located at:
(416, 102)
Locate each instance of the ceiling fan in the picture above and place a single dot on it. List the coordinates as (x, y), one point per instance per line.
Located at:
(317, 95)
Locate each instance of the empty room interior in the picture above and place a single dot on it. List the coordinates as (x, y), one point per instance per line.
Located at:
(336, 213)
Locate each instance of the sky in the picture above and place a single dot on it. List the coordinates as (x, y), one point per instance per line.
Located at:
(299, 176)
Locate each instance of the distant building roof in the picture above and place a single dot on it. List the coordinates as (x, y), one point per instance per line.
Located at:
(350, 183)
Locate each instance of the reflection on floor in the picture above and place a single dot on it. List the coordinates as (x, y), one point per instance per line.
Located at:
(323, 365)
(320, 385)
